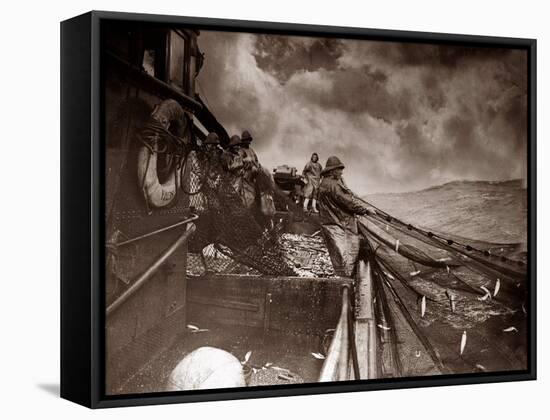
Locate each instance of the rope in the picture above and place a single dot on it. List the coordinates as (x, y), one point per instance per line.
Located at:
(153, 131)
(387, 218)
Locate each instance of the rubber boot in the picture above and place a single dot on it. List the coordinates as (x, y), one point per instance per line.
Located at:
(314, 206)
(306, 202)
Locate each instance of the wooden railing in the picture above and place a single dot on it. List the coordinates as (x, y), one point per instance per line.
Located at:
(336, 365)
(353, 350)
(364, 323)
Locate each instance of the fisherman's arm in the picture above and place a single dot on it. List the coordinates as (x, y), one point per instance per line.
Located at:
(307, 168)
(348, 201)
(251, 163)
(236, 163)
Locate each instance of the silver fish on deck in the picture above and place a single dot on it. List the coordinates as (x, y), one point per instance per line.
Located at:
(423, 306)
(247, 357)
(486, 290)
(510, 329)
(497, 287)
(463, 342)
(452, 299)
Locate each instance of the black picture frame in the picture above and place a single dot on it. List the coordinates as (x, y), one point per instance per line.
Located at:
(83, 203)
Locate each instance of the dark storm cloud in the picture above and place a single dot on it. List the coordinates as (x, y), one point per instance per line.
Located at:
(358, 91)
(401, 116)
(447, 56)
(435, 96)
(284, 56)
(460, 133)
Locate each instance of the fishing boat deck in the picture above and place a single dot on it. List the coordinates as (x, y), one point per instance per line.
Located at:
(281, 320)
(276, 358)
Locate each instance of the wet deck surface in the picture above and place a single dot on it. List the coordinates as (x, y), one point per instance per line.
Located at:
(275, 360)
(279, 359)
(282, 359)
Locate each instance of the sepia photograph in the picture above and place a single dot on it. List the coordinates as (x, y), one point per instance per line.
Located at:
(284, 209)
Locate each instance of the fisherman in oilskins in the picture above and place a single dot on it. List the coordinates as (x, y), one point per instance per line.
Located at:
(312, 175)
(339, 209)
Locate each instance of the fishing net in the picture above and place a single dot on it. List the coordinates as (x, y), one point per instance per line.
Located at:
(230, 237)
(435, 292)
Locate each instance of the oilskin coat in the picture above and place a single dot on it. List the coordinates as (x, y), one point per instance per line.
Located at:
(214, 162)
(250, 161)
(339, 208)
(232, 162)
(312, 173)
(251, 167)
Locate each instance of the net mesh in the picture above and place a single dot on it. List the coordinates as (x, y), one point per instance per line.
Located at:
(431, 287)
(230, 237)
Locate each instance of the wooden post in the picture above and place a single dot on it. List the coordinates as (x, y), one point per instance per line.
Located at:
(365, 327)
(335, 366)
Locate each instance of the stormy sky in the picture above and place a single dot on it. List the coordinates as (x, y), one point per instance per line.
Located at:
(401, 116)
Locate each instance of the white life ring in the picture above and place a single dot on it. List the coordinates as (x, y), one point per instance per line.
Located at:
(156, 193)
(159, 194)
